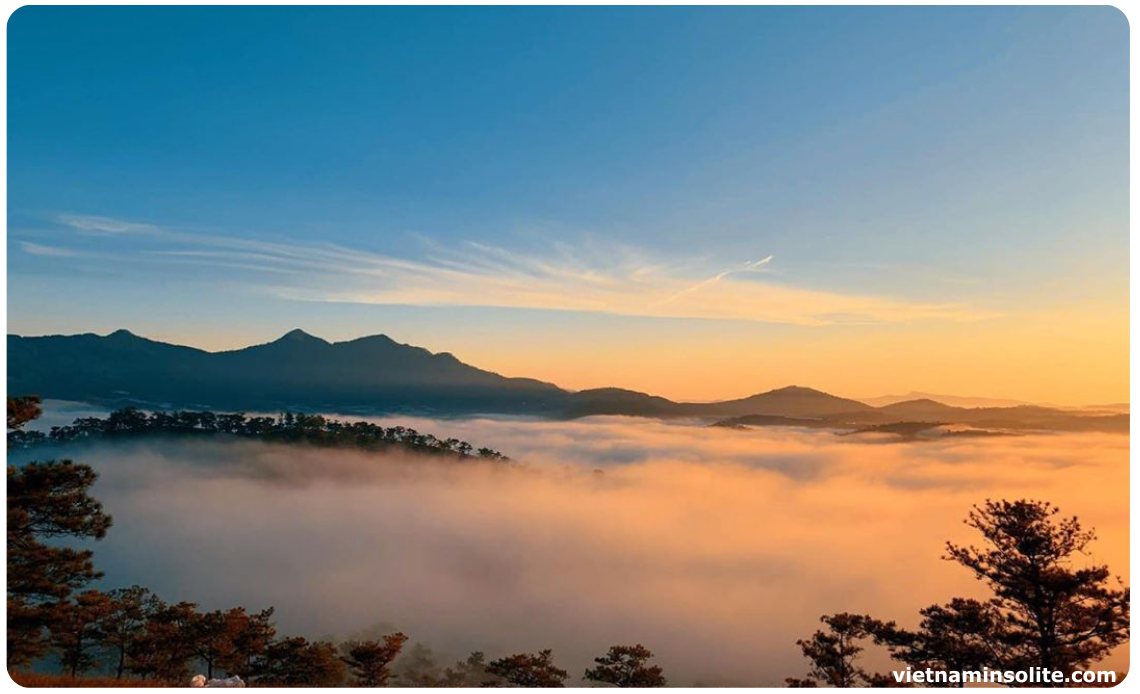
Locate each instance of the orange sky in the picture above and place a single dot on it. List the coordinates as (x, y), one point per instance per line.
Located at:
(1072, 358)
(1065, 356)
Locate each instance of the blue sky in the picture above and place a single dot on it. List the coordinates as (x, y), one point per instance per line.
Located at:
(556, 176)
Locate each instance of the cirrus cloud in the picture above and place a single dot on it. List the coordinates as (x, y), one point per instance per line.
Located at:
(591, 277)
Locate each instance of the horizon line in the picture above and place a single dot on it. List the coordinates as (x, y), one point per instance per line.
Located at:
(919, 394)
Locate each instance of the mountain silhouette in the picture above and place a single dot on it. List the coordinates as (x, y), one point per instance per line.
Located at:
(376, 374)
(297, 371)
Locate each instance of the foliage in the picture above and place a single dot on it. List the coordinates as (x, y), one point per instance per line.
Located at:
(76, 630)
(22, 410)
(625, 666)
(46, 501)
(368, 661)
(124, 623)
(1053, 615)
(529, 670)
(167, 644)
(1045, 612)
(963, 635)
(287, 428)
(833, 652)
(249, 636)
(296, 662)
(210, 634)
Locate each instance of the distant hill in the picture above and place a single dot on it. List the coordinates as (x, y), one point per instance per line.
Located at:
(1118, 407)
(378, 375)
(924, 409)
(907, 418)
(792, 401)
(954, 400)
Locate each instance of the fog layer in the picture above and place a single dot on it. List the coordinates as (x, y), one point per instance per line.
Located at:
(715, 548)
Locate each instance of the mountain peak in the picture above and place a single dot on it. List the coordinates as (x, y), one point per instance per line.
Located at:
(122, 333)
(298, 336)
(796, 389)
(379, 338)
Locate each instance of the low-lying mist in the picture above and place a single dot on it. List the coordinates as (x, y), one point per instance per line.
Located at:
(715, 548)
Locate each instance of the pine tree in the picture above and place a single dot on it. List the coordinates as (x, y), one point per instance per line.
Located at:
(1055, 614)
(369, 660)
(625, 666)
(124, 623)
(529, 670)
(833, 652)
(46, 501)
(76, 630)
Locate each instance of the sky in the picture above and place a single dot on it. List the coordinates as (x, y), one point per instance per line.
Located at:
(699, 203)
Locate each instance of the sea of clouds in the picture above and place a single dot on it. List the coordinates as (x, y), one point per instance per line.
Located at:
(715, 548)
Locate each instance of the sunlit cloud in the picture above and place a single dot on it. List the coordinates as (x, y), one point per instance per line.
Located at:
(593, 277)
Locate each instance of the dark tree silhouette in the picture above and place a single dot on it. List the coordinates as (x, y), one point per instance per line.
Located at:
(212, 638)
(529, 670)
(626, 666)
(1053, 614)
(1046, 611)
(166, 646)
(313, 430)
(46, 501)
(76, 631)
(368, 661)
(21, 410)
(964, 635)
(249, 637)
(296, 662)
(123, 624)
(833, 652)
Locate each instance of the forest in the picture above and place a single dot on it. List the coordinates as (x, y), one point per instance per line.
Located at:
(289, 427)
(1050, 607)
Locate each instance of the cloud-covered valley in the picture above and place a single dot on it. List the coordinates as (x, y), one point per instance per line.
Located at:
(715, 548)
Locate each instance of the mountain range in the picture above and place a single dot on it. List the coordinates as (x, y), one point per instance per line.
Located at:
(376, 374)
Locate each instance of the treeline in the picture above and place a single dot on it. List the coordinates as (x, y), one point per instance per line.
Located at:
(288, 427)
(133, 633)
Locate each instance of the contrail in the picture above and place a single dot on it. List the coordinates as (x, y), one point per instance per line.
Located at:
(747, 267)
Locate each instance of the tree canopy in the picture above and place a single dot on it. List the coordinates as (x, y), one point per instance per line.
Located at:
(627, 666)
(1050, 608)
(289, 427)
(529, 670)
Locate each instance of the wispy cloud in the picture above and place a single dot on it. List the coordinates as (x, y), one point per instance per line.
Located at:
(592, 277)
(102, 225)
(51, 251)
